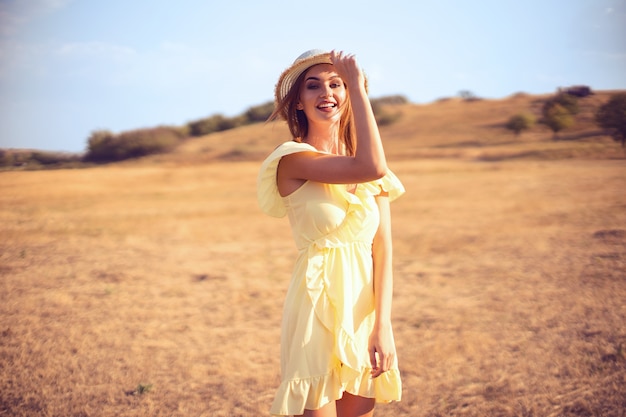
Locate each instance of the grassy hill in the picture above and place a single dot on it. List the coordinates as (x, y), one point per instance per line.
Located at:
(447, 128)
(455, 127)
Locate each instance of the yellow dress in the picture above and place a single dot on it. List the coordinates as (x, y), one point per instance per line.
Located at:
(329, 306)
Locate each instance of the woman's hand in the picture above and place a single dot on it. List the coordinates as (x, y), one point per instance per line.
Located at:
(382, 350)
(348, 69)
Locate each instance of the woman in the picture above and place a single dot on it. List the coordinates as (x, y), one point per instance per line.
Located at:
(337, 349)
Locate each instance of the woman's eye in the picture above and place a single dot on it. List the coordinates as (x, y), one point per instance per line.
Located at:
(335, 85)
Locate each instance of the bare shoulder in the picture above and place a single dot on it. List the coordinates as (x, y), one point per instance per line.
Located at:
(288, 179)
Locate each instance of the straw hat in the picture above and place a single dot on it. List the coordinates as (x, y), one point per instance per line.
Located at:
(300, 65)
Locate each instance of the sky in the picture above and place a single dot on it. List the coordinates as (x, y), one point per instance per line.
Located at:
(71, 67)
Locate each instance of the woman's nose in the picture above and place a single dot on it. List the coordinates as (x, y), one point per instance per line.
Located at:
(327, 92)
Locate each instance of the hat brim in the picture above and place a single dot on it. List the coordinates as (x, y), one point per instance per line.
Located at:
(290, 75)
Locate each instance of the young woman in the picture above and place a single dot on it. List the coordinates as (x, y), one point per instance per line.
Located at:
(338, 355)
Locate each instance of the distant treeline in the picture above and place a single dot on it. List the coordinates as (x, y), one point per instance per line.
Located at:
(558, 113)
(104, 146)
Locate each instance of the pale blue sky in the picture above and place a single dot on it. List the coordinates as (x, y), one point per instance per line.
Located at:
(69, 67)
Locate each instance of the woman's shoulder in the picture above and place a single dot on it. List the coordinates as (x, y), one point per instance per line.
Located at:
(290, 147)
(267, 191)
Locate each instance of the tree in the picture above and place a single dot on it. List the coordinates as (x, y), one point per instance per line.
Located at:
(612, 116)
(520, 122)
(568, 101)
(259, 113)
(557, 117)
(467, 95)
(105, 146)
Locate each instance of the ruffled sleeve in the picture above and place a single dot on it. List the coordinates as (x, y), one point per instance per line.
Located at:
(389, 183)
(268, 197)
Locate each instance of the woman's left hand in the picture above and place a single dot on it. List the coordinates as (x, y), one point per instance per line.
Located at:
(382, 349)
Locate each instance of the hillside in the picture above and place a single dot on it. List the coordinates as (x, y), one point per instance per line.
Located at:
(455, 127)
(447, 128)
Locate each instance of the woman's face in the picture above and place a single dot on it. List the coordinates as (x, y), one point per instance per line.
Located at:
(322, 94)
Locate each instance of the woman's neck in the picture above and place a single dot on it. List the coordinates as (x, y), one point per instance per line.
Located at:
(324, 140)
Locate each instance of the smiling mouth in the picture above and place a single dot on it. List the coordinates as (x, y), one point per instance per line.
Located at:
(327, 106)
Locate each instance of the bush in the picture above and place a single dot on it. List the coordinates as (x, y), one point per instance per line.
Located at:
(567, 101)
(100, 146)
(520, 122)
(559, 111)
(392, 100)
(578, 90)
(382, 109)
(612, 116)
(6, 158)
(215, 123)
(557, 118)
(259, 113)
(104, 146)
(38, 159)
(467, 95)
(54, 158)
(231, 122)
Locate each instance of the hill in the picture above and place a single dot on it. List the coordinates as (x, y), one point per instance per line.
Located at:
(462, 128)
(468, 129)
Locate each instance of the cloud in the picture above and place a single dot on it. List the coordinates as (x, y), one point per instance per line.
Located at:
(166, 66)
(19, 58)
(17, 13)
(53, 4)
(26, 62)
(607, 56)
(101, 50)
(170, 65)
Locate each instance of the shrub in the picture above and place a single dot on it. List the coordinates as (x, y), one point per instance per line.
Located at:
(578, 90)
(520, 122)
(567, 101)
(259, 113)
(382, 109)
(231, 122)
(53, 158)
(467, 95)
(38, 159)
(384, 116)
(6, 158)
(104, 146)
(215, 123)
(612, 116)
(201, 127)
(20, 158)
(557, 118)
(392, 100)
(100, 146)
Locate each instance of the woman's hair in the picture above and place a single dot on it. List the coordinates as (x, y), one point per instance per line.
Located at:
(299, 125)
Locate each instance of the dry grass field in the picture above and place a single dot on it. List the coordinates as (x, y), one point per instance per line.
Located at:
(155, 287)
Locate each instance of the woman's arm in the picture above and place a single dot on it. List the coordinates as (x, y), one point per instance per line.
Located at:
(381, 344)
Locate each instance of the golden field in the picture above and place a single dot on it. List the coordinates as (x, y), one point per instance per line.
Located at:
(155, 287)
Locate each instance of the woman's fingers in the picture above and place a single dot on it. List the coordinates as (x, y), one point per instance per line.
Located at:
(344, 61)
(346, 66)
(381, 362)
